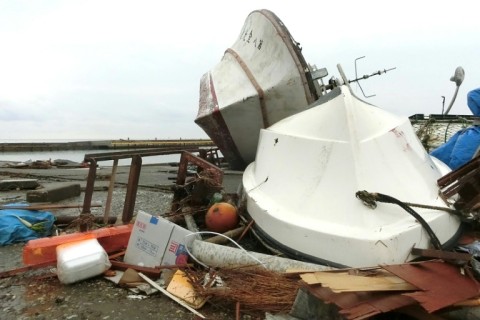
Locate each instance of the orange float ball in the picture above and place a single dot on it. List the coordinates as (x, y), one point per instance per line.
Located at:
(221, 217)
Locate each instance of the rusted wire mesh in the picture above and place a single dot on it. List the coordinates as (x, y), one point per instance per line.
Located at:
(257, 290)
(434, 132)
(210, 177)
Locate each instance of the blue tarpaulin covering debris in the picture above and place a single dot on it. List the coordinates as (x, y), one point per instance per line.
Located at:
(461, 147)
(13, 230)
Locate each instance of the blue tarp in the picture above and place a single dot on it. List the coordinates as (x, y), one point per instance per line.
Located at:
(461, 147)
(473, 101)
(12, 230)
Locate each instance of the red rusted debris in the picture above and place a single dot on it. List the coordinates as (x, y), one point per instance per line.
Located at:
(133, 178)
(381, 304)
(440, 254)
(202, 164)
(464, 181)
(209, 181)
(361, 305)
(442, 283)
(13, 272)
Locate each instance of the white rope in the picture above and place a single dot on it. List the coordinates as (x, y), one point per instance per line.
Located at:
(228, 238)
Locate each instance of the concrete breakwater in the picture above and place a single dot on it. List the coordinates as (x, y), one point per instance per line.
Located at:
(104, 145)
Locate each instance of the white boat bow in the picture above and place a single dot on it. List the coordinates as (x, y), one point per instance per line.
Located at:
(300, 190)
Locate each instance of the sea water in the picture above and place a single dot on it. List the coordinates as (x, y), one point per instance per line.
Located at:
(75, 155)
(79, 155)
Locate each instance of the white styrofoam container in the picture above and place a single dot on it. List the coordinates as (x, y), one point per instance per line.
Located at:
(81, 260)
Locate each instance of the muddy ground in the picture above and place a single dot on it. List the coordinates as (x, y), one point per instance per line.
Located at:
(39, 294)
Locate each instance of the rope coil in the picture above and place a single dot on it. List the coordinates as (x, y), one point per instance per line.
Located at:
(369, 199)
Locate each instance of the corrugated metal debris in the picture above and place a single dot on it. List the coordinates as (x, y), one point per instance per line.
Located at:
(431, 285)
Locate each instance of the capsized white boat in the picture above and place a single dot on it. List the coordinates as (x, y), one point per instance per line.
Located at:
(260, 80)
(300, 190)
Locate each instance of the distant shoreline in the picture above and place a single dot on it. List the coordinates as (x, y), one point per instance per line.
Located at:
(103, 145)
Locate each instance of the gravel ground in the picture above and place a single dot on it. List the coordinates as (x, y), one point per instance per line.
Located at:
(39, 294)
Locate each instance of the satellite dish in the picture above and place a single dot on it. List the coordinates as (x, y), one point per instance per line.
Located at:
(457, 77)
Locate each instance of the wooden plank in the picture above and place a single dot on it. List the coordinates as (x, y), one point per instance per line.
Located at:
(345, 282)
(474, 302)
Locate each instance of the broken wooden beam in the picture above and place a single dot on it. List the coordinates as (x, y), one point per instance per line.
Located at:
(440, 254)
(347, 282)
(13, 272)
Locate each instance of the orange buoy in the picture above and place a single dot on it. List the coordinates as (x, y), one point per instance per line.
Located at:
(221, 217)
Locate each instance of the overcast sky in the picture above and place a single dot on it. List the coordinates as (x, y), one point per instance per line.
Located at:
(131, 69)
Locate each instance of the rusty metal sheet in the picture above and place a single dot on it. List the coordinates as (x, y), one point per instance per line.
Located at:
(442, 283)
(343, 300)
(188, 158)
(382, 304)
(361, 305)
(134, 175)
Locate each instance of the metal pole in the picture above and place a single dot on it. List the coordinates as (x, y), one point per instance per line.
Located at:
(87, 200)
(132, 187)
(110, 191)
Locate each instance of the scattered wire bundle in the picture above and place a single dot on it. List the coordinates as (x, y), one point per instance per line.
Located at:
(256, 289)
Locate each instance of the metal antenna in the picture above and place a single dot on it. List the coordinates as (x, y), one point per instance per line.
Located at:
(357, 79)
(356, 75)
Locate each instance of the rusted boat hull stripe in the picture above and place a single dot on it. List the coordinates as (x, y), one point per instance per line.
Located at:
(215, 126)
(295, 51)
(251, 77)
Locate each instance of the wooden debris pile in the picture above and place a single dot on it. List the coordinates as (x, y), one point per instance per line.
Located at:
(422, 289)
(464, 184)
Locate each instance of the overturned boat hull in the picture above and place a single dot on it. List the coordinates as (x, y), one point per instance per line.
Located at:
(301, 188)
(260, 80)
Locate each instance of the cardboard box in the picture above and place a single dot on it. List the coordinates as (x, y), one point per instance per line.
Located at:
(156, 241)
